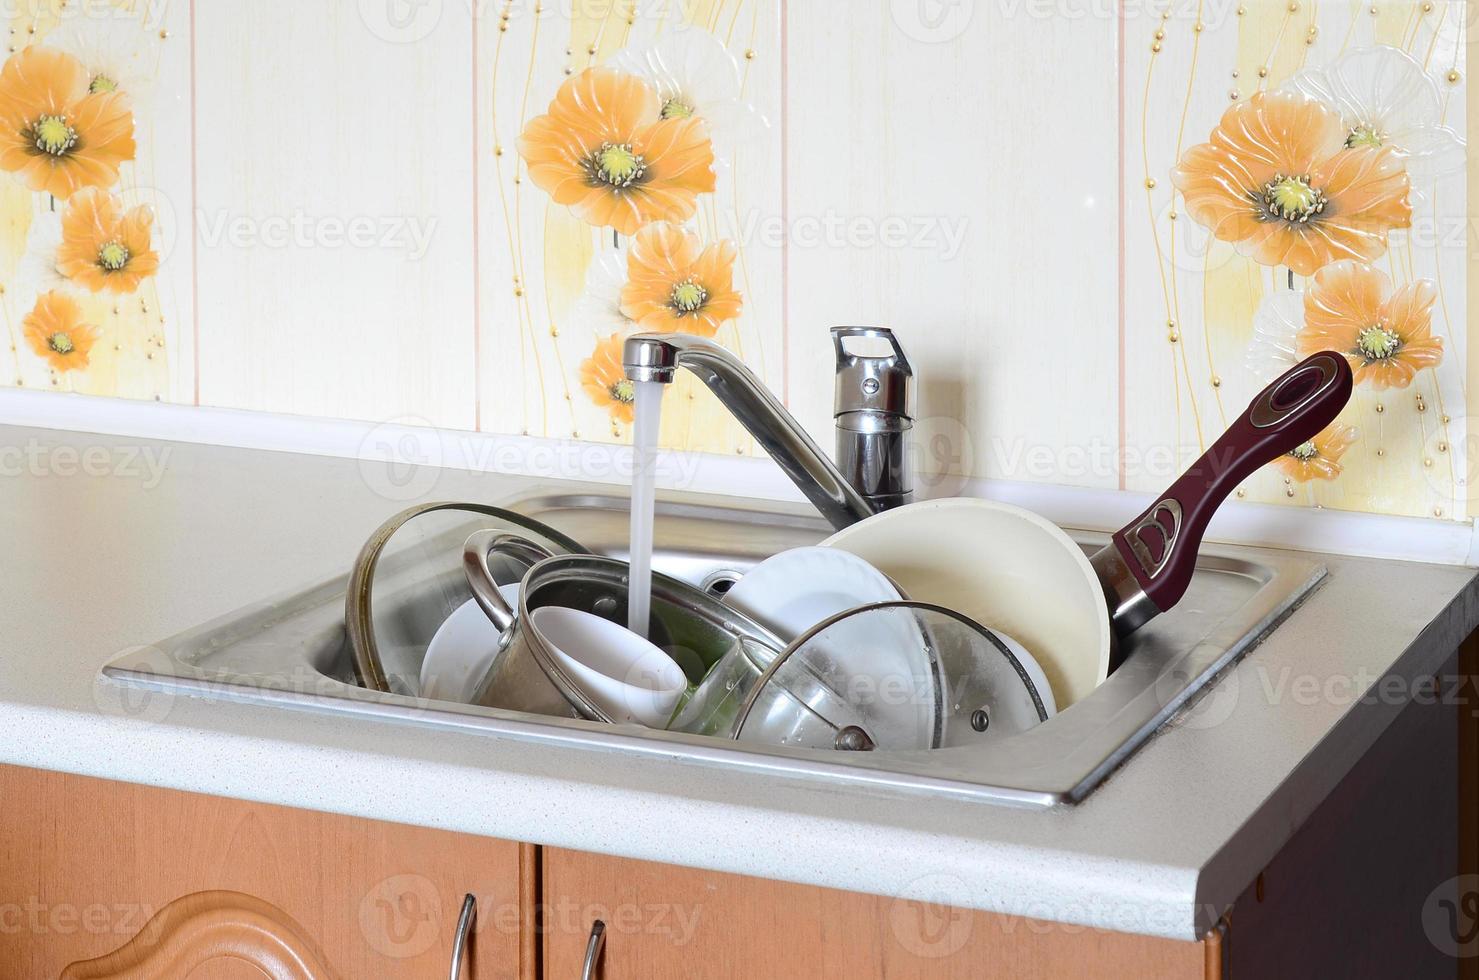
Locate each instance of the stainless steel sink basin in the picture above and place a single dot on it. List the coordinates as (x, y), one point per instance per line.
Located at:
(292, 651)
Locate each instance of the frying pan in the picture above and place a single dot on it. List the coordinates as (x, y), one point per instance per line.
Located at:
(1015, 572)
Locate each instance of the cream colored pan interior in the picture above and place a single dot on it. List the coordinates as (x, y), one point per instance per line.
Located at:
(1005, 567)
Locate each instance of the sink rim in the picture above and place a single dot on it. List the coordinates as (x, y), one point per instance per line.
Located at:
(1126, 711)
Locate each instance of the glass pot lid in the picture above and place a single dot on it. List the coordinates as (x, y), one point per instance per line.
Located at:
(408, 579)
(891, 676)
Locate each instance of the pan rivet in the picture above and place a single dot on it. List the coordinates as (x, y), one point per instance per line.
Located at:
(980, 721)
(853, 739)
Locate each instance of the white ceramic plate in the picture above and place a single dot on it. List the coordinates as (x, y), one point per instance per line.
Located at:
(461, 651)
(794, 590)
(1006, 568)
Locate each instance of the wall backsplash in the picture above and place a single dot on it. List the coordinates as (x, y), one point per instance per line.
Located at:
(1360, 106)
(1098, 230)
(90, 167)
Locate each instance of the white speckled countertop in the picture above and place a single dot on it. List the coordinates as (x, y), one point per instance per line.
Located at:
(99, 563)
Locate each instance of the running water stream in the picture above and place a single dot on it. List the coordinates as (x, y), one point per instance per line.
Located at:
(648, 407)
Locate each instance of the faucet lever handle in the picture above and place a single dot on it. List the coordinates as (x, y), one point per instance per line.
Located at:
(845, 356)
(877, 383)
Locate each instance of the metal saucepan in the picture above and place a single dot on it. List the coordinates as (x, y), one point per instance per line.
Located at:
(1017, 573)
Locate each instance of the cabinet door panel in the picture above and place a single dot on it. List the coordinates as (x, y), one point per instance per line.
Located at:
(212, 934)
(669, 922)
(85, 864)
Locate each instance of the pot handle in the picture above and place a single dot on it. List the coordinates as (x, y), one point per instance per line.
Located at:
(475, 552)
(1159, 548)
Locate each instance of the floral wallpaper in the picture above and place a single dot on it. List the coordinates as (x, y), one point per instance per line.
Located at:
(79, 236)
(1300, 176)
(630, 145)
(1238, 184)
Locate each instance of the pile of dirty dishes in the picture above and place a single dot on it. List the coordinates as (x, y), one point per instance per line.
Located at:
(814, 648)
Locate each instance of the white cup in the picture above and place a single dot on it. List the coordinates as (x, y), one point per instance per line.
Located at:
(626, 676)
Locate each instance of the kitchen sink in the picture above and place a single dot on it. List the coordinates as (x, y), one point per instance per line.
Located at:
(293, 652)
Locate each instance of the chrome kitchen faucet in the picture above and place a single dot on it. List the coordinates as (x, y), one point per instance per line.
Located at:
(872, 409)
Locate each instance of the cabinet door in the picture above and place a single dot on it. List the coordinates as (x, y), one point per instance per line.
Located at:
(212, 936)
(123, 874)
(669, 922)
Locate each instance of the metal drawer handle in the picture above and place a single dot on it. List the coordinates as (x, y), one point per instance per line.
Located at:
(593, 948)
(464, 928)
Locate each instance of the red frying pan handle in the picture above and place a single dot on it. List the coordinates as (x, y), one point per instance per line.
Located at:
(1159, 547)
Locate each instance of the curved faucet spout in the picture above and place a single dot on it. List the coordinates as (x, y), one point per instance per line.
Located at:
(657, 357)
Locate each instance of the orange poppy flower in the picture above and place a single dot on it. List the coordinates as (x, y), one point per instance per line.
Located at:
(605, 380)
(675, 285)
(1318, 459)
(605, 152)
(1278, 180)
(56, 135)
(1387, 336)
(55, 330)
(102, 246)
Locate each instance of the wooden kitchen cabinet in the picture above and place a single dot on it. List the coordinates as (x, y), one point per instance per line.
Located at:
(671, 922)
(149, 883)
(105, 881)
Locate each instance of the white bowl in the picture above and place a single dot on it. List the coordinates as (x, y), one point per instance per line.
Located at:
(626, 676)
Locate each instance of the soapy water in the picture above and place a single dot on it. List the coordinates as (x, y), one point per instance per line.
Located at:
(648, 408)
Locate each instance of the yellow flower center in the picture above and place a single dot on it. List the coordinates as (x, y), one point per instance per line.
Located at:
(618, 164)
(1292, 198)
(1377, 343)
(1304, 452)
(623, 391)
(688, 297)
(113, 256)
(61, 343)
(102, 83)
(1365, 135)
(676, 109)
(53, 136)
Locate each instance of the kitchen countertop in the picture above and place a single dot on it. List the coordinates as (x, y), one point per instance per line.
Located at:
(112, 543)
